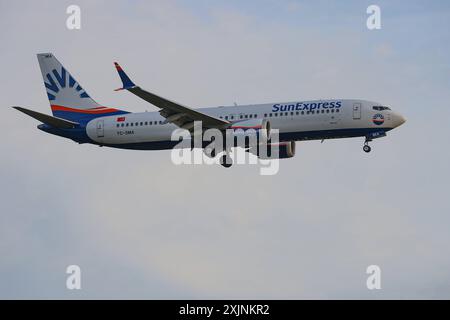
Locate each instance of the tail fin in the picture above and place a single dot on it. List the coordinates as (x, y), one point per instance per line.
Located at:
(68, 100)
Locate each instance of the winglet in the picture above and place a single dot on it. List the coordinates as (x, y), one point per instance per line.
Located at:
(126, 81)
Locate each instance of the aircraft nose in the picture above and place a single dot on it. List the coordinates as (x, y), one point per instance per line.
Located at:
(399, 120)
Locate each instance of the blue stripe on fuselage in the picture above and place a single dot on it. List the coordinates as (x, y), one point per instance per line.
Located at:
(288, 136)
(79, 135)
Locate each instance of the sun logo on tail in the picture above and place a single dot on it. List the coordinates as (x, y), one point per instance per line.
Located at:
(59, 81)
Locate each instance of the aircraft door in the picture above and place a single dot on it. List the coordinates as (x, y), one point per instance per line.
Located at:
(356, 111)
(100, 128)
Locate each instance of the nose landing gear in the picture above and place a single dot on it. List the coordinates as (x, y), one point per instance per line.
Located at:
(366, 146)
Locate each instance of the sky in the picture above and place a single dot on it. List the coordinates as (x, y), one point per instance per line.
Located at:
(141, 227)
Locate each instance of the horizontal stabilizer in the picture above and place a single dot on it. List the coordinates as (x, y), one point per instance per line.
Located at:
(52, 121)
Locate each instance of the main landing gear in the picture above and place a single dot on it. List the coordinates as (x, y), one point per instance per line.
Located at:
(225, 160)
(366, 147)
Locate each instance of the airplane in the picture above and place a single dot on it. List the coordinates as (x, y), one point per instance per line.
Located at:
(78, 117)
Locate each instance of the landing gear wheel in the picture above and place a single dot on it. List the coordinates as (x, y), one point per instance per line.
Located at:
(367, 148)
(226, 161)
(210, 153)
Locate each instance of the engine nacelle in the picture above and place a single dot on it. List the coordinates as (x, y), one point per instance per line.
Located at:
(284, 149)
(255, 131)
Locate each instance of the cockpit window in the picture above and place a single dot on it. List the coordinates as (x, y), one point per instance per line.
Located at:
(380, 108)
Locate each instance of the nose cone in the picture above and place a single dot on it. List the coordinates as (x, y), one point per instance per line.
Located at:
(398, 120)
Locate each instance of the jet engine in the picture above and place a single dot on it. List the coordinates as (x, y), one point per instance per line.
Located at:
(281, 150)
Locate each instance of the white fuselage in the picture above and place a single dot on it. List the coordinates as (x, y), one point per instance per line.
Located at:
(299, 120)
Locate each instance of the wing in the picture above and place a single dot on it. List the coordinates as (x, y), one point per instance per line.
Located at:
(52, 121)
(174, 112)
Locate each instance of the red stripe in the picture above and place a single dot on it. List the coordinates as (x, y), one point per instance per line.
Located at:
(98, 110)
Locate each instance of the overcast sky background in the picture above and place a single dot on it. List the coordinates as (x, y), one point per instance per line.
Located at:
(141, 227)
